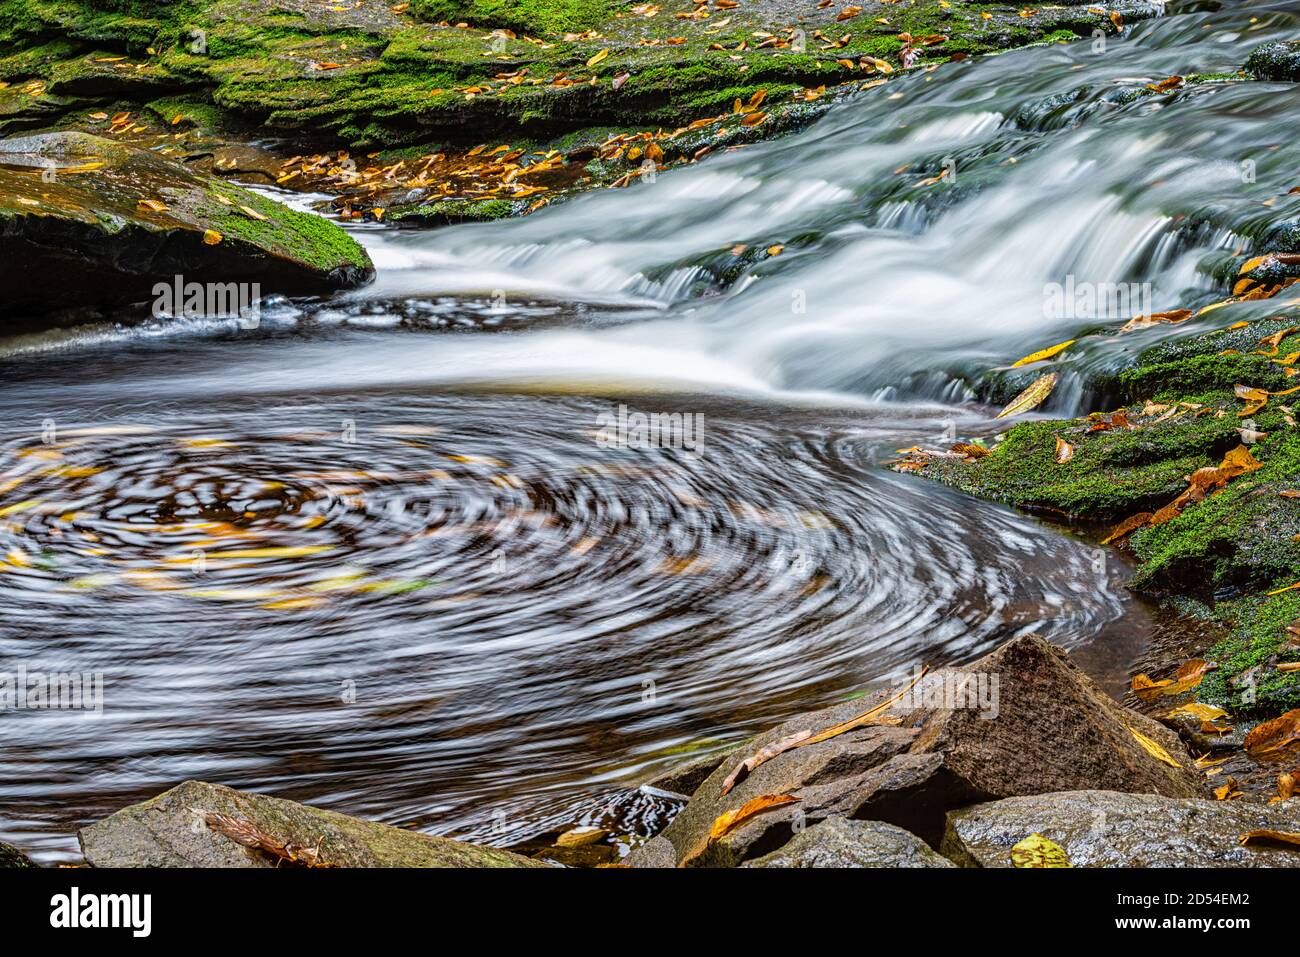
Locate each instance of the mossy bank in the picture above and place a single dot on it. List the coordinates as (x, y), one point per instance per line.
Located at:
(459, 71)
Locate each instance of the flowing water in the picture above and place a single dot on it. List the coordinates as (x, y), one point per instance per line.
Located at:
(375, 555)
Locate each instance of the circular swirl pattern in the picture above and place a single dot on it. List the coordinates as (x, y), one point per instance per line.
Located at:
(442, 606)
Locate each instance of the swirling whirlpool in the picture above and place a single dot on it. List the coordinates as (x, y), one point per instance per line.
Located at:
(445, 608)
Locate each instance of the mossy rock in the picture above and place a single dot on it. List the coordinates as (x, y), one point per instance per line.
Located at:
(11, 857)
(448, 211)
(81, 227)
(1275, 61)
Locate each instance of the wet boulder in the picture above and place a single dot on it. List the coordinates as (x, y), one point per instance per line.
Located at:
(207, 825)
(1275, 61)
(1109, 829)
(839, 842)
(656, 852)
(1038, 725)
(11, 857)
(88, 222)
(686, 776)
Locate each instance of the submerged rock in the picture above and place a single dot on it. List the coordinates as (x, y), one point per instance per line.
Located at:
(838, 842)
(1047, 728)
(1275, 61)
(11, 857)
(171, 831)
(87, 222)
(1108, 829)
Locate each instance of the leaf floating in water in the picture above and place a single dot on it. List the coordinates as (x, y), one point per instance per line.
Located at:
(1042, 354)
(1038, 851)
(1173, 317)
(294, 604)
(478, 460)
(1203, 712)
(20, 506)
(775, 250)
(1189, 675)
(1276, 740)
(1032, 397)
(1165, 85)
(288, 551)
(1147, 689)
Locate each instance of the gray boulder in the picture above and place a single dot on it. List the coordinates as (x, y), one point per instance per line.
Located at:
(171, 830)
(89, 222)
(686, 776)
(1109, 829)
(1051, 729)
(656, 852)
(838, 842)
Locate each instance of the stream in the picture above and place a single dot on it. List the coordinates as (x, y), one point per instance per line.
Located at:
(377, 554)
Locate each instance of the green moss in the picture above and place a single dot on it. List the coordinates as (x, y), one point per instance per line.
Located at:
(454, 211)
(1247, 681)
(1198, 374)
(1226, 551)
(1241, 537)
(308, 238)
(1113, 474)
(257, 58)
(192, 113)
(524, 16)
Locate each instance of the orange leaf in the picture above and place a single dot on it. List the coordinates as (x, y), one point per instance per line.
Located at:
(1275, 740)
(725, 823)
